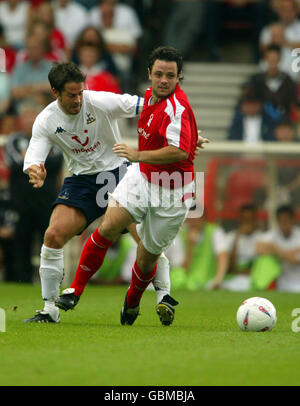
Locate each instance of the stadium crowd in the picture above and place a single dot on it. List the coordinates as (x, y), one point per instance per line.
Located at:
(109, 40)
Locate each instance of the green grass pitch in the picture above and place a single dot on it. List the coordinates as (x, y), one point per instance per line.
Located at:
(204, 346)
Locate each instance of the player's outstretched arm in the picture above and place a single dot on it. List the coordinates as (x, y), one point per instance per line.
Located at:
(165, 155)
(37, 175)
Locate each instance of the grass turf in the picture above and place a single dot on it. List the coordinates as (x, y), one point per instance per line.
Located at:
(204, 346)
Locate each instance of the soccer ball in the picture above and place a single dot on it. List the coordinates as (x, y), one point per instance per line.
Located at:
(256, 314)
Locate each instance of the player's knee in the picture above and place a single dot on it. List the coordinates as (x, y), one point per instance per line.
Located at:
(108, 230)
(54, 238)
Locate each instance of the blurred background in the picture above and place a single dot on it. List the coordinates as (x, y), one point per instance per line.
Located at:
(242, 77)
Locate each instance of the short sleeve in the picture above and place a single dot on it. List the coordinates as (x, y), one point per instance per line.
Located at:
(178, 131)
(117, 105)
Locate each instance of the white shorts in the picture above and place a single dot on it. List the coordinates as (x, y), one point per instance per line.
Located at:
(159, 211)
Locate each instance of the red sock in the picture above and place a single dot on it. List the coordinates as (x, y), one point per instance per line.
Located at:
(91, 259)
(139, 283)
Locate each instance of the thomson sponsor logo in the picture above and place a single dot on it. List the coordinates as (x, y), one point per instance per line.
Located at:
(90, 149)
(296, 322)
(296, 60)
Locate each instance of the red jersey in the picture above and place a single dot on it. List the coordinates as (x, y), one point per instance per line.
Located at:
(171, 121)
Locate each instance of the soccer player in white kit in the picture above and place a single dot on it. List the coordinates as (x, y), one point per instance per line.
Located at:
(83, 124)
(158, 189)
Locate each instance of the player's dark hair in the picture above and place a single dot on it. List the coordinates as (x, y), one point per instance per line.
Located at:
(167, 54)
(64, 72)
(285, 209)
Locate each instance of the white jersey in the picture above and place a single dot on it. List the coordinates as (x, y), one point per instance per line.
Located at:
(86, 139)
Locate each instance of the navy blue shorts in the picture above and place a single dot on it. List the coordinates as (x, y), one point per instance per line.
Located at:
(89, 193)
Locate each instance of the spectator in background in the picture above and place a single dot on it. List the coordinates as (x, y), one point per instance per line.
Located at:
(205, 259)
(250, 122)
(288, 176)
(287, 59)
(242, 250)
(285, 131)
(40, 30)
(44, 13)
(4, 93)
(8, 124)
(32, 205)
(287, 173)
(8, 219)
(296, 119)
(121, 30)
(217, 12)
(283, 242)
(70, 19)
(275, 88)
(13, 18)
(10, 52)
(184, 25)
(91, 35)
(285, 33)
(31, 76)
(96, 78)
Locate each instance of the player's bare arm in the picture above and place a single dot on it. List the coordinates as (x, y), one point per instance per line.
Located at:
(132, 155)
(165, 155)
(37, 175)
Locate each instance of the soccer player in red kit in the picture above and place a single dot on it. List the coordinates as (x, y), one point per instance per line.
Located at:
(158, 188)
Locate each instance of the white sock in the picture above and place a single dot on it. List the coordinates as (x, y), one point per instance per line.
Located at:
(49, 306)
(161, 281)
(51, 274)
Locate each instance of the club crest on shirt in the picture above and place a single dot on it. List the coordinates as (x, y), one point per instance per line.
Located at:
(89, 118)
